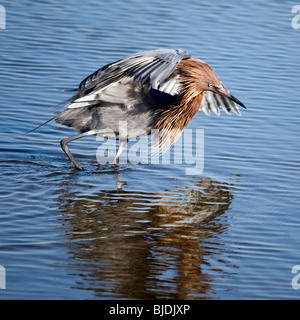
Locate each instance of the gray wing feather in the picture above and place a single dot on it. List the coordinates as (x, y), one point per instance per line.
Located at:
(213, 101)
(223, 102)
(144, 75)
(155, 65)
(99, 79)
(205, 107)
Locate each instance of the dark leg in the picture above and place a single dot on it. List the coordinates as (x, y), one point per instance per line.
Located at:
(64, 145)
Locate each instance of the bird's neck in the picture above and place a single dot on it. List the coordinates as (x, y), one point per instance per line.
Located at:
(172, 120)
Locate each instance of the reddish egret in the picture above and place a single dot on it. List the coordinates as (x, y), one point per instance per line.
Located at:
(160, 89)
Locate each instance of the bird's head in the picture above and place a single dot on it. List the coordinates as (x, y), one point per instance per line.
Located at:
(212, 83)
(202, 77)
(220, 89)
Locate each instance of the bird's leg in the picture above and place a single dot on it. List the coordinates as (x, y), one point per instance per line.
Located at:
(121, 147)
(64, 145)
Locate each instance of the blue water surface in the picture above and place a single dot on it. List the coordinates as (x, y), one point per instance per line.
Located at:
(150, 231)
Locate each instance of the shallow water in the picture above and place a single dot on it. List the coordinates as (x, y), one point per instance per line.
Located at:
(146, 231)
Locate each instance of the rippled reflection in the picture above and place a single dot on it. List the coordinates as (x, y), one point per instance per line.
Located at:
(144, 245)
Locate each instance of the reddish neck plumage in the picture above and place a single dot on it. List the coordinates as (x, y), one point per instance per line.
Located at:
(172, 120)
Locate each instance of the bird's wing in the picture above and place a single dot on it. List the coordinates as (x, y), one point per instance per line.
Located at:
(153, 67)
(213, 101)
(156, 65)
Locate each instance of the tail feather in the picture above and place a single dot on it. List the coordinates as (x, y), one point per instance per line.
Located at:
(63, 103)
(40, 125)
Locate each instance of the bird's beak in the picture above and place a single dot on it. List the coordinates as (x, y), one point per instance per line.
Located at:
(223, 92)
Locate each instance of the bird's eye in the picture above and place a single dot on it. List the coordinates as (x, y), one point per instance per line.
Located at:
(210, 85)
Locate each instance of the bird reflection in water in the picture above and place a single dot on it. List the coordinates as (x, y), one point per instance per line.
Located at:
(139, 245)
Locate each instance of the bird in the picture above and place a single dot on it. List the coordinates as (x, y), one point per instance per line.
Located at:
(160, 90)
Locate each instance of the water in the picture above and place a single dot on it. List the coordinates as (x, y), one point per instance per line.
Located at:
(150, 231)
